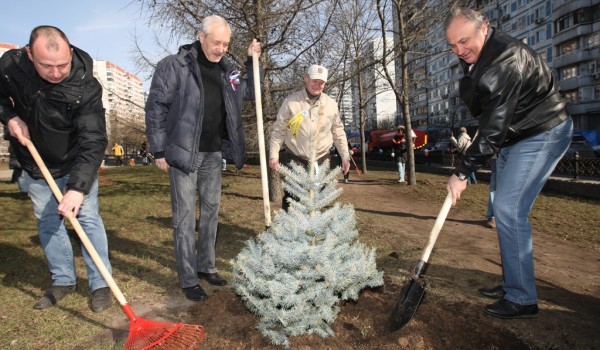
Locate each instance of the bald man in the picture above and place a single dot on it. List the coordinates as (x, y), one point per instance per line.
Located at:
(48, 94)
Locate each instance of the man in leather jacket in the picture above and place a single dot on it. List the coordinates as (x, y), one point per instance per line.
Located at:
(48, 94)
(193, 121)
(508, 87)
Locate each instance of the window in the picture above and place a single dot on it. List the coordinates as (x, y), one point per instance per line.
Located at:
(569, 72)
(596, 92)
(570, 96)
(568, 47)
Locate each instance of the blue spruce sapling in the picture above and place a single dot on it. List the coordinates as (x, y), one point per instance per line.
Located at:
(294, 275)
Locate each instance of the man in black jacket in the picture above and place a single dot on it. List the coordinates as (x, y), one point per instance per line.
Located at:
(510, 90)
(49, 95)
(193, 121)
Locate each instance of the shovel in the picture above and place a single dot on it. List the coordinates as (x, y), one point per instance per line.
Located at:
(412, 293)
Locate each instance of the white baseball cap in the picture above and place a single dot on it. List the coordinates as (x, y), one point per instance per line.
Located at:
(316, 72)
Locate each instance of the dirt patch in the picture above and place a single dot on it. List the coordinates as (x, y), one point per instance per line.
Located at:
(450, 317)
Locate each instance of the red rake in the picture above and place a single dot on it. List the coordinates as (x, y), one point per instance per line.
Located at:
(355, 166)
(143, 333)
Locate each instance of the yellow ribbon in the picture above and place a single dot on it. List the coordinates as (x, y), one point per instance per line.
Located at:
(294, 124)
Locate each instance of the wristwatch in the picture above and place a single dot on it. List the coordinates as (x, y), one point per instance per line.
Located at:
(461, 176)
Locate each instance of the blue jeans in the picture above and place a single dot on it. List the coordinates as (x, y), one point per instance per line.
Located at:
(401, 170)
(492, 190)
(55, 239)
(522, 170)
(205, 180)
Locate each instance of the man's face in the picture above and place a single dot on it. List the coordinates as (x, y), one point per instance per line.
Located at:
(52, 64)
(215, 44)
(465, 40)
(314, 86)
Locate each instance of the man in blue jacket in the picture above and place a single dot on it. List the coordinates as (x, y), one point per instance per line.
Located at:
(49, 95)
(193, 116)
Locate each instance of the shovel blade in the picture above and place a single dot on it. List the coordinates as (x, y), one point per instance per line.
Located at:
(410, 298)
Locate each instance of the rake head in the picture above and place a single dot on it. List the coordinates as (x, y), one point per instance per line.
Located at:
(148, 334)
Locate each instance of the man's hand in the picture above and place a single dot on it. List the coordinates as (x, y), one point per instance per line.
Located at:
(345, 166)
(161, 163)
(254, 46)
(18, 129)
(456, 186)
(274, 164)
(70, 204)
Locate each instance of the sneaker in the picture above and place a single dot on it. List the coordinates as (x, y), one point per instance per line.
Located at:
(100, 299)
(195, 293)
(53, 295)
(345, 181)
(401, 181)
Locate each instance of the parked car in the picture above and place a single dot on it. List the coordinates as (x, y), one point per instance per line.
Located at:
(433, 153)
(580, 145)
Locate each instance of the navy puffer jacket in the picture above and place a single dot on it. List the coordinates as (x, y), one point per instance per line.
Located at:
(174, 109)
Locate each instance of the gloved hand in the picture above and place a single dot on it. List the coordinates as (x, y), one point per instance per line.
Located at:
(393, 154)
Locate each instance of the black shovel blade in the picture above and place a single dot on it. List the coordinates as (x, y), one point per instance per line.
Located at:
(410, 298)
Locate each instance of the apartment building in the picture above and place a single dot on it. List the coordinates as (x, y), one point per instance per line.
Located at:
(381, 105)
(123, 96)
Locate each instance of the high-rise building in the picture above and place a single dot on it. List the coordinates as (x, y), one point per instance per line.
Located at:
(381, 101)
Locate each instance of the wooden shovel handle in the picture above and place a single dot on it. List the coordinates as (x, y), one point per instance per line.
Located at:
(75, 223)
(437, 227)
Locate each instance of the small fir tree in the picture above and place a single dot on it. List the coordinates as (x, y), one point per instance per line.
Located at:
(294, 275)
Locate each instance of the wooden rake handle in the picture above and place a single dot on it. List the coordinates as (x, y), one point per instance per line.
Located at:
(75, 223)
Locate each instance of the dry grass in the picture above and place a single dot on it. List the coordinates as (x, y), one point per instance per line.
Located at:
(135, 206)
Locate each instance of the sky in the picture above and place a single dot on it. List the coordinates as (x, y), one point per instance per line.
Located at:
(105, 29)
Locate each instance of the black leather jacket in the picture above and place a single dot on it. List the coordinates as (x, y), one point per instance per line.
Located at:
(512, 92)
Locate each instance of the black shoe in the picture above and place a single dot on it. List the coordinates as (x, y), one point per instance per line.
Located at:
(507, 309)
(53, 295)
(213, 278)
(195, 293)
(494, 293)
(100, 299)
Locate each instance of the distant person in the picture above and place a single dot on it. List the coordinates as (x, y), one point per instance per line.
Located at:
(48, 94)
(193, 112)
(308, 116)
(522, 117)
(461, 145)
(118, 153)
(144, 152)
(399, 152)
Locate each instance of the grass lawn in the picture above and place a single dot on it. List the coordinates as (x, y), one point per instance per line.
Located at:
(135, 206)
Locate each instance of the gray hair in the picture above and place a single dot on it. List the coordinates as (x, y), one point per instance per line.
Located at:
(209, 22)
(470, 15)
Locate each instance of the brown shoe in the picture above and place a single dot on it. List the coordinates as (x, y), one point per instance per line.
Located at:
(491, 223)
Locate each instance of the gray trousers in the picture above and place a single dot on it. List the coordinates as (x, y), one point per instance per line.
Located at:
(193, 255)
